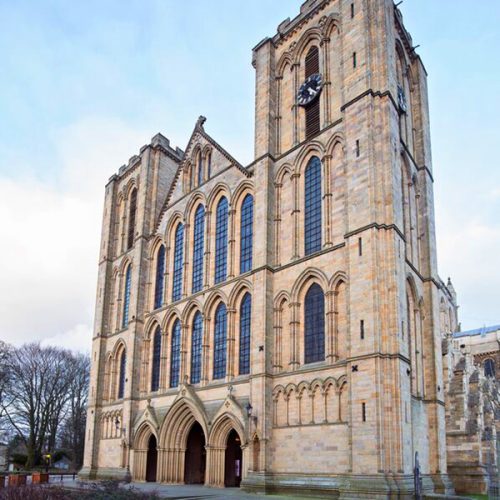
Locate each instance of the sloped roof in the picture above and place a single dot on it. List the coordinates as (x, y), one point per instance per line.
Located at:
(478, 331)
(198, 129)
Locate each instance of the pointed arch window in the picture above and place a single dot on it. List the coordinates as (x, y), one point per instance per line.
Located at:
(209, 164)
(221, 241)
(312, 215)
(121, 375)
(175, 354)
(246, 234)
(196, 343)
(126, 296)
(178, 263)
(314, 325)
(198, 248)
(489, 368)
(245, 328)
(131, 218)
(220, 342)
(155, 369)
(312, 109)
(200, 169)
(160, 273)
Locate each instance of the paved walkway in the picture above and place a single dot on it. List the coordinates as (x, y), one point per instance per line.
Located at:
(187, 492)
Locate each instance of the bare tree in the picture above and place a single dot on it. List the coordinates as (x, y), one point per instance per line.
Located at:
(5, 353)
(73, 432)
(39, 379)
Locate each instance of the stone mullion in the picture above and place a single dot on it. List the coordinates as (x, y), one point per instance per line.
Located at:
(231, 243)
(327, 160)
(145, 363)
(295, 214)
(295, 107)
(231, 344)
(325, 44)
(205, 351)
(294, 324)
(149, 289)
(279, 84)
(185, 260)
(277, 365)
(164, 361)
(184, 350)
(331, 322)
(208, 243)
(166, 284)
(277, 225)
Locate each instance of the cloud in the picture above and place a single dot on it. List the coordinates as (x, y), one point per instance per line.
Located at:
(52, 232)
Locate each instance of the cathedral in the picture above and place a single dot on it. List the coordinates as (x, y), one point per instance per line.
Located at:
(278, 326)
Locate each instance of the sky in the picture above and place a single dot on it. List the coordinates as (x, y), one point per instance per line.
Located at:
(83, 85)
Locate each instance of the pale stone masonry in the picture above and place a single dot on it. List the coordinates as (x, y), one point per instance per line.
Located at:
(350, 423)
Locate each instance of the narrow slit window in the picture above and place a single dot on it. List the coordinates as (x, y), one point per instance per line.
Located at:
(362, 329)
(363, 411)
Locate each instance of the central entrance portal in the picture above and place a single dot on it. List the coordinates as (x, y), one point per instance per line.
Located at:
(151, 460)
(195, 460)
(233, 461)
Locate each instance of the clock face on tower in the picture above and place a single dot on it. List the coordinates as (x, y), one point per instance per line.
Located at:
(310, 89)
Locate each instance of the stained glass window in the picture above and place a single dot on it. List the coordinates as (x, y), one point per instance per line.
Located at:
(121, 379)
(175, 354)
(178, 263)
(126, 296)
(246, 232)
(489, 368)
(245, 327)
(160, 271)
(314, 325)
(196, 343)
(221, 241)
(312, 229)
(198, 248)
(220, 341)
(131, 218)
(155, 369)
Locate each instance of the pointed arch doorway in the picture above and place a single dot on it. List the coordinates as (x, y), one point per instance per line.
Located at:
(233, 460)
(195, 458)
(151, 460)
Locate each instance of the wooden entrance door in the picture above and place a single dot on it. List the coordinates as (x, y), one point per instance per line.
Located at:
(151, 460)
(233, 460)
(195, 458)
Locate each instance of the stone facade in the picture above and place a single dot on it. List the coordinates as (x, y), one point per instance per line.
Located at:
(473, 409)
(351, 422)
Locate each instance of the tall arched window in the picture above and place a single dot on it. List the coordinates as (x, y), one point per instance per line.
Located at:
(200, 169)
(155, 369)
(178, 263)
(121, 374)
(314, 325)
(312, 222)
(245, 327)
(312, 109)
(160, 271)
(221, 241)
(175, 354)
(126, 296)
(246, 234)
(198, 248)
(209, 164)
(489, 368)
(131, 218)
(220, 341)
(196, 343)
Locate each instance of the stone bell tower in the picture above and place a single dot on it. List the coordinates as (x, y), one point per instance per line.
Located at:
(342, 146)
